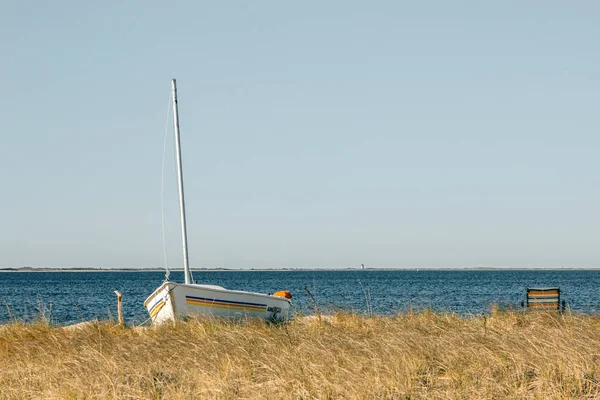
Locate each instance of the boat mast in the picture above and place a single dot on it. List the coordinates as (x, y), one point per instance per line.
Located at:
(186, 267)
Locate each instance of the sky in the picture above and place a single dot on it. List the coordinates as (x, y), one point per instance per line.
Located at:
(314, 134)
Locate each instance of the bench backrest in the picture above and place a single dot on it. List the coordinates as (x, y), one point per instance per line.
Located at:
(543, 298)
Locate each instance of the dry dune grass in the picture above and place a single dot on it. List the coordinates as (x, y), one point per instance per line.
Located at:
(346, 356)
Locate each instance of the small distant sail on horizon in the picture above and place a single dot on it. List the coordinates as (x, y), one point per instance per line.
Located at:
(362, 266)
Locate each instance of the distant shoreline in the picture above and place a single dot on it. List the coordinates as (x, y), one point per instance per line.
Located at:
(28, 269)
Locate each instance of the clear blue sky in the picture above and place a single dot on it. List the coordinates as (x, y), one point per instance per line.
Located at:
(315, 134)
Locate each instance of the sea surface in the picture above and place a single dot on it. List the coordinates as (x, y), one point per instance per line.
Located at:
(71, 297)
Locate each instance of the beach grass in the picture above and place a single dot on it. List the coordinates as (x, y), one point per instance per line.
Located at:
(344, 356)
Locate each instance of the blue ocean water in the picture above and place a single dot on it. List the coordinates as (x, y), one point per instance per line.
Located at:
(69, 297)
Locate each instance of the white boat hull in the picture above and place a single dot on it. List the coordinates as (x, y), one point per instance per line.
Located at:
(173, 301)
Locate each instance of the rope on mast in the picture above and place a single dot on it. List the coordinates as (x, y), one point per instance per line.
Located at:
(162, 189)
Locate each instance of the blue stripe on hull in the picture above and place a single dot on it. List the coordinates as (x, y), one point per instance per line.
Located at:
(225, 301)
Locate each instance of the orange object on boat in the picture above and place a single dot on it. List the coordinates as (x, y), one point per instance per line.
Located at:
(283, 293)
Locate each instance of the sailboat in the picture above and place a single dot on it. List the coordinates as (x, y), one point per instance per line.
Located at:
(172, 300)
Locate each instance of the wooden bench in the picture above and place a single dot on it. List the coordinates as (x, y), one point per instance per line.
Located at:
(544, 299)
